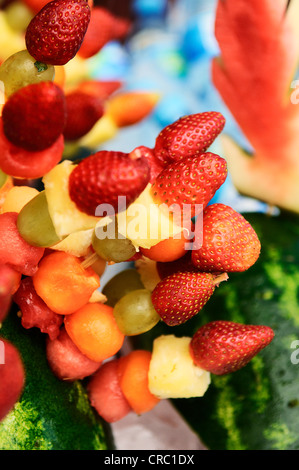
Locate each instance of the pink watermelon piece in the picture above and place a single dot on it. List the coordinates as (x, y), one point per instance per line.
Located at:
(259, 57)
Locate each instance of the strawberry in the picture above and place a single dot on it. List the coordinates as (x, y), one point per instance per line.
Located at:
(188, 136)
(34, 116)
(106, 175)
(182, 264)
(180, 296)
(148, 153)
(56, 32)
(222, 347)
(229, 243)
(83, 111)
(191, 181)
(103, 27)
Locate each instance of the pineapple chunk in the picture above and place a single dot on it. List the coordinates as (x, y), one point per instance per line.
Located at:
(65, 216)
(76, 244)
(144, 223)
(148, 272)
(172, 373)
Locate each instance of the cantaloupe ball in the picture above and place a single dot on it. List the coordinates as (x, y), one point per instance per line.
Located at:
(17, 198)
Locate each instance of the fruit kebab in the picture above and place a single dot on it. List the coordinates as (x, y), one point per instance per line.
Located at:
(51, 241)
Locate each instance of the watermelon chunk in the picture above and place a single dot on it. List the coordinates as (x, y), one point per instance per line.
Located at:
(254, 73)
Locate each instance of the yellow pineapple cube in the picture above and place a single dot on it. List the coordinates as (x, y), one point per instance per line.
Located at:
(172, 373)
(76, 244)
(145, 223)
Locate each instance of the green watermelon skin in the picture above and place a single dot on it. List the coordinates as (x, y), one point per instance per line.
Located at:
(51, 414)
(257, 407)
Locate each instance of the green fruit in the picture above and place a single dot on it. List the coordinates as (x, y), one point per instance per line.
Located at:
(121, 284)
(135, 314)
(35, 224)
(20, 70)
(51, 414)
(111, 246)
(257, 407)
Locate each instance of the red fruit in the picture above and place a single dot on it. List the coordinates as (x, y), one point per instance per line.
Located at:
(222, 347)
(65, 359)
(182, 264)
(12, 377)
(21, 163)
(14, 250)
(192, 181)
(35, 313)
(105, 393)
(188, 136)
(83, 111)
(229, 243)
(103, 177)
(7, 284)
(34, 116)
(180, 296)
(103, 27)
(100, 88)
(55, 34)
(148, 153)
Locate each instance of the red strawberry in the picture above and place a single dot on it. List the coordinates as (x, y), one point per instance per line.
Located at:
(188, 136)
(229, 243)
(182, 264)
(55, 34)
(106, 175)
(148, 153)
(222, 347)
(191, 181)
(103, 27)
(180, 296)
(83, 111)
(34, 116)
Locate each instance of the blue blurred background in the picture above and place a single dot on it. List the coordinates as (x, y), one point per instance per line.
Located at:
(169, 51)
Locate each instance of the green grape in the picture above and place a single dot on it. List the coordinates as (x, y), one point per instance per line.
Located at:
(113, 247)
(135, 314)
(35, 224)
(21, 69)
(121, 284)
(3, 178)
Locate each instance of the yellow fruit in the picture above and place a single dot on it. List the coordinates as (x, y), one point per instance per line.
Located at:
(172, 373)
(17, 198)
(63, 211)
(18, 16)
(103, 130)
(10, 41)
(144, 223)
(76, 244)
(148, 272)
